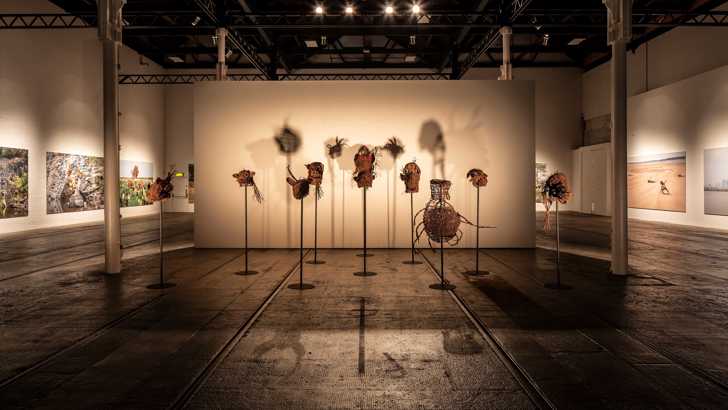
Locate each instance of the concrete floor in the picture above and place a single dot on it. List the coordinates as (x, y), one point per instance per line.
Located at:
(73, 338)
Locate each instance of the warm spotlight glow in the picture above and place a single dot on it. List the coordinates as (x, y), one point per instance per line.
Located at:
(389, 10)
(349, 10)
(416, 9)
(319, 10)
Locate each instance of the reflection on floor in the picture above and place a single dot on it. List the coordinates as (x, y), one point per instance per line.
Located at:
(73, 338)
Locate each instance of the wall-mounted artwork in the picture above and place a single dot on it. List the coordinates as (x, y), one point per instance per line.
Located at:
(74, 183)
(135, 179)
(13, 182)
(715, 184)
(657, 182)
(541, 177)
(191, 183)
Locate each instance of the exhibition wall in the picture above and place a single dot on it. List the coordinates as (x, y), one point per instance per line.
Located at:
(690, 117)
(50, 81)
(483, 124)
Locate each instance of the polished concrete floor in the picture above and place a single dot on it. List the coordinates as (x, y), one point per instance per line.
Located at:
(71, 337)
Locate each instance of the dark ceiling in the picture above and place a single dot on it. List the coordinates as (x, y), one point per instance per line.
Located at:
(289, 36)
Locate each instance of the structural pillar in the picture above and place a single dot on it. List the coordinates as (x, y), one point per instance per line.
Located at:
(507, 67)
(110, 26)
(221, 51)
(619, 34)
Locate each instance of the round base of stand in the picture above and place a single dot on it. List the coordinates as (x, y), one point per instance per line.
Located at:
(246, 272)
(411, 262)
(368, 255)
(158, 286)
(442, 286)
(364, 274)
(301, 286)
(557, 286)
(316, 262)
(476, 273)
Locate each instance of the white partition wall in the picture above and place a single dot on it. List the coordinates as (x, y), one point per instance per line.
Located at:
(484, 124)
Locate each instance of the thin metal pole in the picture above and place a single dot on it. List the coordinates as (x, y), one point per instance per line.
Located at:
(558, 250)
(365, 230)
(412, 225)
(300, 282)
(477, 234)
(315, 228)
(246, 228)
(161, 243)
(442, 254)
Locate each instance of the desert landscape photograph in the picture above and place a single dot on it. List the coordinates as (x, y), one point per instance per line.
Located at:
(657, 182)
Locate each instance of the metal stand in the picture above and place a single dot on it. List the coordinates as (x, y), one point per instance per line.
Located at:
(246, 271)
(315, 260)
(364, 255)
(442, 285)
(557, 285)
(161, 284)
(412, 232)
(301, 285)
(477, 271)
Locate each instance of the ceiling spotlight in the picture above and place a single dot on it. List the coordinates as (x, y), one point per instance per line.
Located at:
(416, 9)
(349, 10)
(214, 40)
(228, 53)
(389, 10)
(413, 40)
(196, 21)
(324, 40)
(319, 10)
(546, 38)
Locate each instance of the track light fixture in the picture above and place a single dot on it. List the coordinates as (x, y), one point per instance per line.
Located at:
(416, 9)
(319, 10)
(196, 21)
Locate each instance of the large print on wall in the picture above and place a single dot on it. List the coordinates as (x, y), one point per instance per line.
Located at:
(657, 182)
(716, 181)
(74, 183)
(13, 182)
(135, 178)
(541, 176)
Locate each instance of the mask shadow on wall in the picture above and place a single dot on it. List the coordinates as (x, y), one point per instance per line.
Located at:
(432, 140)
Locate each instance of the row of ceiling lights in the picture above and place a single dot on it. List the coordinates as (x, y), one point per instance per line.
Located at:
(388, 9)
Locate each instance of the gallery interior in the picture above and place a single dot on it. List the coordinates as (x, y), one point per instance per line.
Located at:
(332, 204)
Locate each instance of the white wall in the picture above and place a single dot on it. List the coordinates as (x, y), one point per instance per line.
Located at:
(690, 115)
(676, 55)
(179, 120)
(486, 124)
(558, 114)
(50, 83)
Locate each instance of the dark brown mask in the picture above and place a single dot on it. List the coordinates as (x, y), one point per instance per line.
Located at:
(300, 187)
(315, 173)
(477, 177)
(336, 149)
(364, 162)
(245, 178)
(440, 189)
(411, 176)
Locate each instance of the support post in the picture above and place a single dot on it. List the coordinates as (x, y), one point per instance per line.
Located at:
(412, 231)
(221, 33)
(245, 271)
(619, 33)
(110, 27)
(507, 67)
(364, 255)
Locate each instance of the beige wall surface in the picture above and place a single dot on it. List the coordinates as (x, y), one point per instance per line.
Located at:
(485, 124)
(50, 83)
(690, 115)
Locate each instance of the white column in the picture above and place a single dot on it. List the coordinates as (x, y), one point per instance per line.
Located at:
(221, 50)
(110, 26)
(507, 67)
(619, 33)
